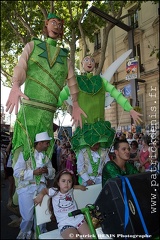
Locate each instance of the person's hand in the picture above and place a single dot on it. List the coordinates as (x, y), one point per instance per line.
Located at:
(82, 188)
(44, 170)
(76, 115)
(136, 117)
(90, 182)
(13, 99)
(37, 171)
(38, 199)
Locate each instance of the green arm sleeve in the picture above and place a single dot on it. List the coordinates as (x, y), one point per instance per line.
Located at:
(118, 96)
(64, 94)
(109, 171)
(131, 169)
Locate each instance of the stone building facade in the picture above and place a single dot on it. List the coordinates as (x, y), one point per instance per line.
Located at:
(146, 39)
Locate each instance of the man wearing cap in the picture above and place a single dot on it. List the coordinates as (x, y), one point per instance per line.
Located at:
(43, 67)
(32, 176)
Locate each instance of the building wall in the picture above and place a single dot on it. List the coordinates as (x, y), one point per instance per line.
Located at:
(147, 34)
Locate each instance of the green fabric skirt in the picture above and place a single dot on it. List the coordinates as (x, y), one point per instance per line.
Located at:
(91, 134)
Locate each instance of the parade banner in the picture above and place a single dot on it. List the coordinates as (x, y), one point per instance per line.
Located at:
(131, 69)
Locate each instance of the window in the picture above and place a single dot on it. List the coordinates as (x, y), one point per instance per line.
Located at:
(97, 41)
(133, 18)
(138, 53)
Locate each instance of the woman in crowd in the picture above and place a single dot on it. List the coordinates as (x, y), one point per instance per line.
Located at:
(144, 155)
(134, 154)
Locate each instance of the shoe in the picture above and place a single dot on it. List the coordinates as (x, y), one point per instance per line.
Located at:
(29, 235)
(21, 235)
(9, 202)
(15, 222)
(14, 209)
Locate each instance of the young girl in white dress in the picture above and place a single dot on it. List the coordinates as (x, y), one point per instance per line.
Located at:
(63, 202)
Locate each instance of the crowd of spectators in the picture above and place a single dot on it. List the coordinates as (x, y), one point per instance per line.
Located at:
(140, 152)
(142, 149)
(64, 156)
(144, 153)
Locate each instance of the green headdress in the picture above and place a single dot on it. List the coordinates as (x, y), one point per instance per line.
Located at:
(52, 15)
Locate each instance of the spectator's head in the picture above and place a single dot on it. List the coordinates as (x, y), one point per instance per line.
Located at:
(136, 136)
(134, 144)
(141, 135)
(122, 136)
(118, 142)
(58, 141)
(73, 155)
(130, 135)
(63, 145)
(68, 145)
(146, 140)
(122, 150)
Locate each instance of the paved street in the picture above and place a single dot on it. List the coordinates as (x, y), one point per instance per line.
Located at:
(7, 216)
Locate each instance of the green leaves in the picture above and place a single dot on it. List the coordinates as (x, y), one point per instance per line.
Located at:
(21, 20)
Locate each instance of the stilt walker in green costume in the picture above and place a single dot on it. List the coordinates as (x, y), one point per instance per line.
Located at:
(91, 99)
(43, 68)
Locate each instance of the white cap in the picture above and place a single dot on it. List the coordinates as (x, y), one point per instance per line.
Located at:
(42, 137)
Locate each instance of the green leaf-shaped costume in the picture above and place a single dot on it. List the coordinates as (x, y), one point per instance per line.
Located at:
(46, 73)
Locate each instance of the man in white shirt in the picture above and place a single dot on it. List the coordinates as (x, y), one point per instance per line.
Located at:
(32, 176)
(90, 162)
(130, 138)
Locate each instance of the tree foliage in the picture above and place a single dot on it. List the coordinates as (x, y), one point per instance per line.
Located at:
(22, 20)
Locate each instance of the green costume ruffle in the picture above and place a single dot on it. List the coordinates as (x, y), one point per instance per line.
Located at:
(46, 74)
(90, 134)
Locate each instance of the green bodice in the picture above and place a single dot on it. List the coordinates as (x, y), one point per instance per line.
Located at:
(47, 70)
(91, 97)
